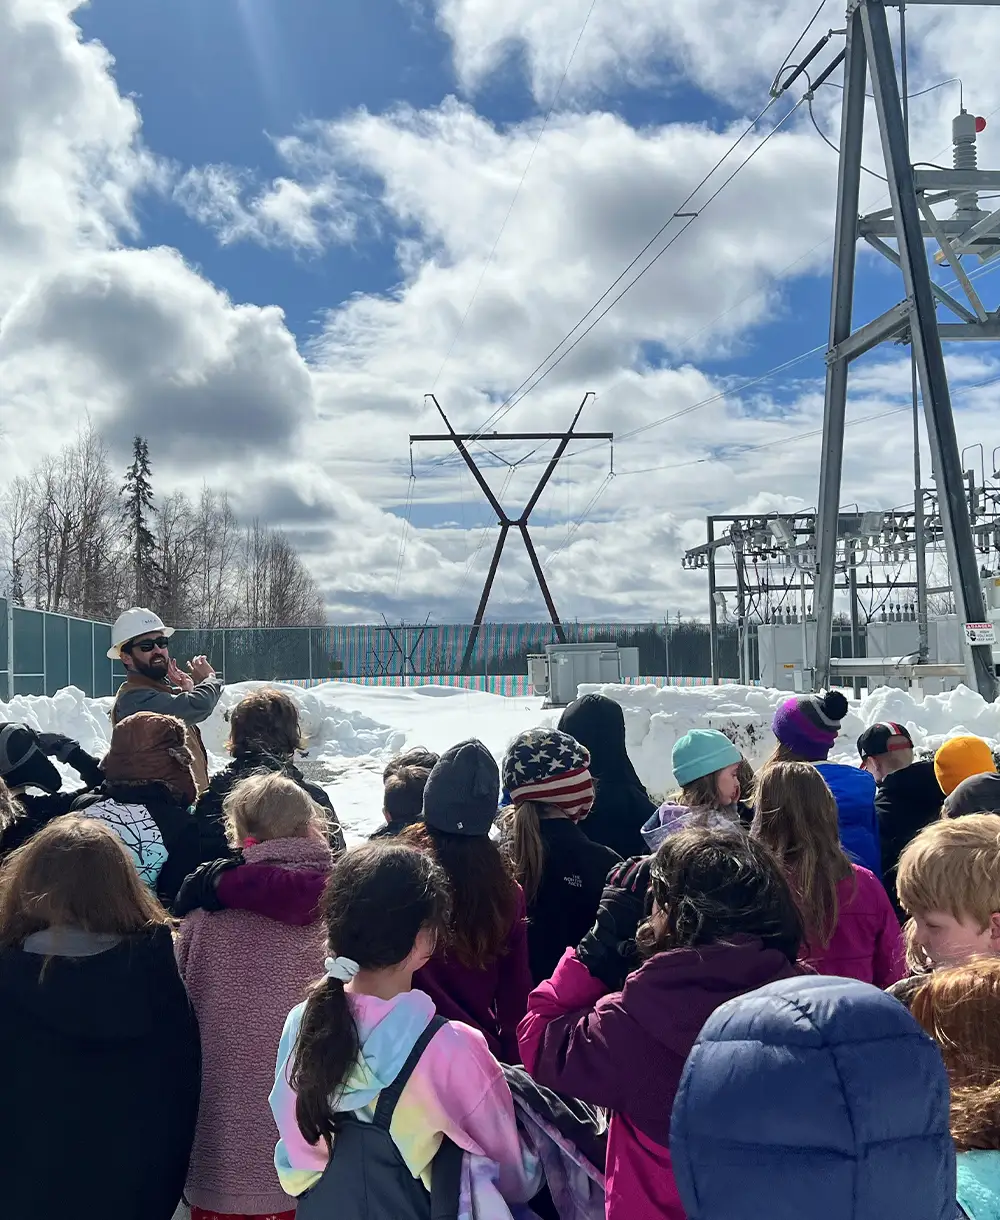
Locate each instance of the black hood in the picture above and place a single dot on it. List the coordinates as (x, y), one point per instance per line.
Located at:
(599, 724)
(916, 781)
(122, 994)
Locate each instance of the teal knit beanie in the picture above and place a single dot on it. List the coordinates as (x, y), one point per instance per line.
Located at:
(702, 752)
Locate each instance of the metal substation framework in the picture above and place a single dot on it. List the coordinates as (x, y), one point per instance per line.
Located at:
(461, 441)
(911, 220)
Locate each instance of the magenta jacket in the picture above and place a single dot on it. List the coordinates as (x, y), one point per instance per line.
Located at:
(867, 943)
(243, 973)
(626, 1051)
(492, 1000)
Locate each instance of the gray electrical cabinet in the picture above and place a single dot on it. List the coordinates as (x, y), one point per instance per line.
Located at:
(559, 674)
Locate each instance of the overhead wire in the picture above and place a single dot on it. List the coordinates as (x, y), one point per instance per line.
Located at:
(517, 192)
(545, 369)
(504, 406)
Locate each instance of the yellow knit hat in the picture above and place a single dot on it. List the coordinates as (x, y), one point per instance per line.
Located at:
(961, 758)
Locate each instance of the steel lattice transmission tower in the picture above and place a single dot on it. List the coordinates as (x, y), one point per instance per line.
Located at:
(912, 221)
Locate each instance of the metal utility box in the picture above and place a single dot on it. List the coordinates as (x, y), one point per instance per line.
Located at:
(559, 674)
(784, 650)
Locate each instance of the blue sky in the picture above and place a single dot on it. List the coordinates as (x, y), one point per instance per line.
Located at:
(351, 163)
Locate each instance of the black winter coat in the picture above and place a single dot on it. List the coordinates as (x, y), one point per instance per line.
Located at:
(905, 803)
(564, 909)
(100, 1082)
(214, 845)
(621, 804)
(39, 810)
(176, 823)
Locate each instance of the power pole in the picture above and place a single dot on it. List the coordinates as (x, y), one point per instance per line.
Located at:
(911, 221)
(461, 442)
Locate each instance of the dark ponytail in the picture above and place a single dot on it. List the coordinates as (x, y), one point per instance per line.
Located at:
(378, 899)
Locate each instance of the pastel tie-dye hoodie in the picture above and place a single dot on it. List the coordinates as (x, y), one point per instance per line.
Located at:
(457, 1089)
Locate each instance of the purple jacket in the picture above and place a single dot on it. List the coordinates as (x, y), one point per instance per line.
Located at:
(492, 1000)
(626, 1051)
(243, 973)
(867, 944)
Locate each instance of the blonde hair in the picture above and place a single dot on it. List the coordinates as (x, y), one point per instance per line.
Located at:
(521, 843)
(960, 1009)
(10, 807)
(270, 806)
(953, 866)
(797, 819)
(74, 873)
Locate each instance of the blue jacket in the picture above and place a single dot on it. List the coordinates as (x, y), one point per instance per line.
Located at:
(854, 791)
(814, 1098)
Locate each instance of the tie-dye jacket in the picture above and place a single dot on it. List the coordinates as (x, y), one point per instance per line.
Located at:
(457, 1089)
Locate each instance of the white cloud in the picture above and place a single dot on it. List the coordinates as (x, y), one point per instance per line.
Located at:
(306, 216)
(317, 440)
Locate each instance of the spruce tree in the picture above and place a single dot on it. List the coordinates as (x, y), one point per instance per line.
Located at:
(138, 510)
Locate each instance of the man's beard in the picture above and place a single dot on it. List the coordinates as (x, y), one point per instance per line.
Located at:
(156, 670)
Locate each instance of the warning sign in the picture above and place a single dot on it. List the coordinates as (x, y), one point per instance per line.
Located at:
(981, 633)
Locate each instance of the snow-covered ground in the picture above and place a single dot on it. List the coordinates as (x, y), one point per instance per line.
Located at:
(353, 730)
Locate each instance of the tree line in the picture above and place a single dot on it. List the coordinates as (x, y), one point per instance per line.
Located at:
(79, 538)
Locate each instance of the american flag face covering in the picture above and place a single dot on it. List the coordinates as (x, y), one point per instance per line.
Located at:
(552, 768)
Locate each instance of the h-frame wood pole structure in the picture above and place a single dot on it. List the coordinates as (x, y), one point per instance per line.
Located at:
(911, 221)
(461, 441)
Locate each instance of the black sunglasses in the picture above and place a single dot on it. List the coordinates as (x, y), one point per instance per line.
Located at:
(148, 645)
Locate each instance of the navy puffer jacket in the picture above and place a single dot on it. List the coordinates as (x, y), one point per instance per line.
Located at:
(814, 1097)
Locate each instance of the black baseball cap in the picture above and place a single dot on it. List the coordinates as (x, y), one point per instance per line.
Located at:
(883, 739)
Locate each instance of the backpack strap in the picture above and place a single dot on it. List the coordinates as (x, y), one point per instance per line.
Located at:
(391, 1093)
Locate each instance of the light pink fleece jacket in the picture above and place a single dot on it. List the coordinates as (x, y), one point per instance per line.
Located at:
(243, 972)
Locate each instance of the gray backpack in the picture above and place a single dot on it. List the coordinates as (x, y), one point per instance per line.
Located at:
(367, 1178)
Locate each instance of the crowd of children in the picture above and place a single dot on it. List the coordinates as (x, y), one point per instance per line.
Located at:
(533, 993)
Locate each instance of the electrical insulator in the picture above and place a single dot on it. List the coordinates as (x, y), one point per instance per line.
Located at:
(964, 131)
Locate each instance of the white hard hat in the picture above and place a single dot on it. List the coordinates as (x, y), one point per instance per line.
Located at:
(133, 623)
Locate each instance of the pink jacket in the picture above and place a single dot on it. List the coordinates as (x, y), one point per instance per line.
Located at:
(626, 1051)
(867, 943)
(243, 973)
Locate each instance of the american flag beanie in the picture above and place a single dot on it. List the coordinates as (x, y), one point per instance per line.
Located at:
(552, 768)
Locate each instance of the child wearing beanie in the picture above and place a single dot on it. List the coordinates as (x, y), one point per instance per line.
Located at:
(807, 727)
(967, 773)
(546, 775)
(707, 767)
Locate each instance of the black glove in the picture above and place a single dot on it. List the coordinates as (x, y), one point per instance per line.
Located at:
(198, 890)
(608, 950)
(56, 745)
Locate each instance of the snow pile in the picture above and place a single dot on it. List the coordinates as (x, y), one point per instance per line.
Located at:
(353, 730)
(655, 717)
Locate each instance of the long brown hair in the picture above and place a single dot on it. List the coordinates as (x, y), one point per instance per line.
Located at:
(265, 721)
(483, 893)
(701, 795)
(796, 818)
(73, 873)
(713, 885)
(522, 846)
(378, 899)
(960, 1008)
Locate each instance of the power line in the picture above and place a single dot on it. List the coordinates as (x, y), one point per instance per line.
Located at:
(674, 215)
(525, 389)
(517, 192)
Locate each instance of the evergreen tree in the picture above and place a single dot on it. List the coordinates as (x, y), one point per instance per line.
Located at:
(138, 509)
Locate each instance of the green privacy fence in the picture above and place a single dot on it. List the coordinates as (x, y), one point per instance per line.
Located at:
(41, 652)
(418, 651)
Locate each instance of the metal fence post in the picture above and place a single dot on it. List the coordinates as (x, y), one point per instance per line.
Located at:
(45, 652)
(225, 676)
(10, 647)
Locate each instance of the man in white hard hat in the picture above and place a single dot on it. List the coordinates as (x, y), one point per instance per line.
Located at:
(156, 683)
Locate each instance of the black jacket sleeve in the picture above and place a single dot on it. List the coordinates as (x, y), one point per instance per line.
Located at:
(322, 798)
(87, 767)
